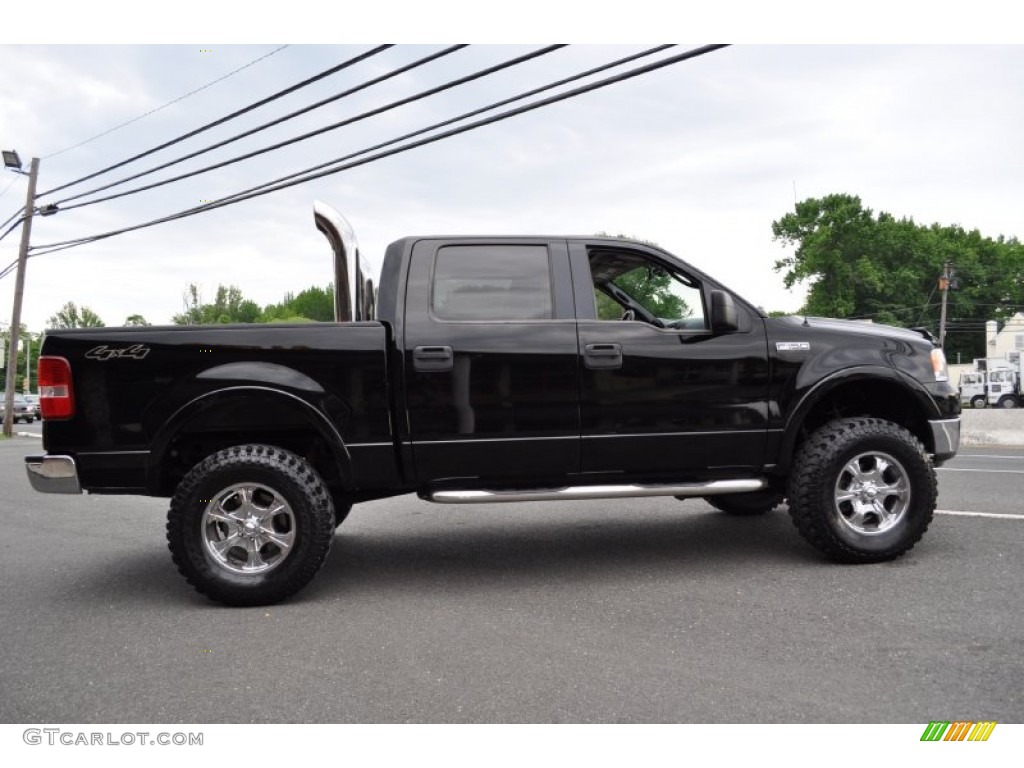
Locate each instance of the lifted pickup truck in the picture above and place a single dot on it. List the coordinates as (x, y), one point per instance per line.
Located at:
(494, 369)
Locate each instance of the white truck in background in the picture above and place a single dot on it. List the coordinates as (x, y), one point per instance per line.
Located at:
(973, 389)
(995, 382)
(1004, 388)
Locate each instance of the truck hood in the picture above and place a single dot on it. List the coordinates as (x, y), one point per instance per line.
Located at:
(856, 327)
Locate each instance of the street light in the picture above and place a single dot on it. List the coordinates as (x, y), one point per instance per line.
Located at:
(11, 160)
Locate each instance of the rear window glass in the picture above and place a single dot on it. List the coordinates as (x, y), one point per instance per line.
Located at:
(492, 282)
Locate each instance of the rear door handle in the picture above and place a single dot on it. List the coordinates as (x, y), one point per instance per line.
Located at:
(432, 359)
(602, 356)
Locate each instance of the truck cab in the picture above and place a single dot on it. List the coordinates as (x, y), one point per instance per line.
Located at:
(973, 389)
(1003, 388)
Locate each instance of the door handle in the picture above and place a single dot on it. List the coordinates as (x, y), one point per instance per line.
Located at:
(433, 359)
(602, 356)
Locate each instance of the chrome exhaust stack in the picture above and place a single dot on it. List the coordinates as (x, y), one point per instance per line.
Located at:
(355, 293)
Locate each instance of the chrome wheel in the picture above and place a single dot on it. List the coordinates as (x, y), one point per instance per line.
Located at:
(248, 528)
(872, 493)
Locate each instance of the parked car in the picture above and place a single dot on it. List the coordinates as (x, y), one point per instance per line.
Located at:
(33, 400)
(23, 410)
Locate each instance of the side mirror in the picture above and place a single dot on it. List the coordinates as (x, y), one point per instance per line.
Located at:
(723, 313)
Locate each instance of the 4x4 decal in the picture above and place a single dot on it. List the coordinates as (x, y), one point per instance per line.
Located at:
(103, 352)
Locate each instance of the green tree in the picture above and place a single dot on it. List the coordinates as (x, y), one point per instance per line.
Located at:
(25, 360)
(229, 306)
(857, 264)
(135, 320)
(313, 304)
(70, 316)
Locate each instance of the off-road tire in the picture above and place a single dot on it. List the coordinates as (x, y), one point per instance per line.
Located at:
(294, 481)
(814, 485)
(747, 504)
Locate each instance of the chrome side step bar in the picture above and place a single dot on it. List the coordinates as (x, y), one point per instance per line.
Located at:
(584, 492)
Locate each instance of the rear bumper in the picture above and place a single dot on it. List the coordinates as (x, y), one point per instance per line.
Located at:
(53, 474)
(945, 438)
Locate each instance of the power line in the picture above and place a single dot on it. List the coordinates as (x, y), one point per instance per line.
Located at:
(14, 226)
(8, 187)
(363, 86)
(262, 102)
(890, 310)
(348, 121)
(463, 116)
(169, 103)
(12, 218)
(629, 74)
(459, 118)
(927, 302)
(274, 186)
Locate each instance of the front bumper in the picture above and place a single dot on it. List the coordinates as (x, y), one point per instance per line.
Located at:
(945, 438)
(53, 474)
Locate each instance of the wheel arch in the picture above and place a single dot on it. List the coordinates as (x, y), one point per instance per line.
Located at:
(246, 414)
(866, 391)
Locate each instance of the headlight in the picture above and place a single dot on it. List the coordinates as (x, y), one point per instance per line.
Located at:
(939, 365)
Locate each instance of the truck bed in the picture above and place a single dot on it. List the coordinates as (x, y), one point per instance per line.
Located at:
(148, 388)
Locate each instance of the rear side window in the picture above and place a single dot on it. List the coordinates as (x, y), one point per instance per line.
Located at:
(492, 282)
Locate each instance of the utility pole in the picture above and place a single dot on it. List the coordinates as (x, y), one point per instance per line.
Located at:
(19, 290)
(944, 287)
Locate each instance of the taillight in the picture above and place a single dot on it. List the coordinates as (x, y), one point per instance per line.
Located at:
(56, 395)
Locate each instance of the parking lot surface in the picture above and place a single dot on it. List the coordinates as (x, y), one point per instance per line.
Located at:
(648, 610)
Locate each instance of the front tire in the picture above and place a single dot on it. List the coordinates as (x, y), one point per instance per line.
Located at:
(978, 401)
(1008, 401)
(250, 525)
(862, 490)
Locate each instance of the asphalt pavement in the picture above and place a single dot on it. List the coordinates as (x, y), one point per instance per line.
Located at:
(648, 610)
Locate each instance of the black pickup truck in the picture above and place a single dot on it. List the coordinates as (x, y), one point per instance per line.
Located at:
(495, 369)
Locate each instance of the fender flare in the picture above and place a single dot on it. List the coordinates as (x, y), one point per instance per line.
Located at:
(208, 400)
(839, 378)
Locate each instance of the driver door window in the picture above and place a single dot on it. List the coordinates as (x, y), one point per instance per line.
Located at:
(628, 288)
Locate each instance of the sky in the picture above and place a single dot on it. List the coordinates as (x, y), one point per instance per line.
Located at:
(699, 157)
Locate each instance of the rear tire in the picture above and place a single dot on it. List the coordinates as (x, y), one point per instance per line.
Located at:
(862, 490)
(747, 504)
(1008, 401)
(250, 525)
